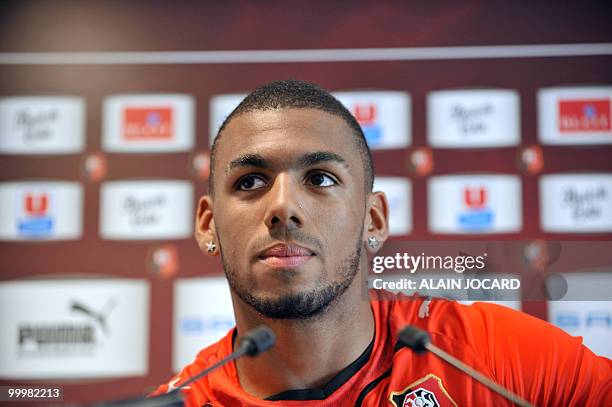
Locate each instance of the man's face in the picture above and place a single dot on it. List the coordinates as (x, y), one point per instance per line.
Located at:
(289, 209)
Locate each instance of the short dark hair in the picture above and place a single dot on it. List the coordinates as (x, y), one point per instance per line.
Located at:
(297, 94)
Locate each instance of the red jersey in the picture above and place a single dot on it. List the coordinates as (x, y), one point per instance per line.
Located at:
(532, 358)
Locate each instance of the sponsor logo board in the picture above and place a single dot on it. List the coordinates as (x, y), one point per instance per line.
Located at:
(220, 107)
(42, 125)
(399, 195)
(575, 203)
(466, 204)
(142, 210)
(41, 210)
(203, 314)
(473, 118)
(384, 116)
(148, 123)
(592, 320)
(74, 328)
(575, 115)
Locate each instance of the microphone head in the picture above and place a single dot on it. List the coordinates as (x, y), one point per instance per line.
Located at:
(414, 338)
(258, 340)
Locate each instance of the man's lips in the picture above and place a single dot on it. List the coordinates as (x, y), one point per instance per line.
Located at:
(285, 255)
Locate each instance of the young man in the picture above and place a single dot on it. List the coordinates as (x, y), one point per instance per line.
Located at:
(292, 213)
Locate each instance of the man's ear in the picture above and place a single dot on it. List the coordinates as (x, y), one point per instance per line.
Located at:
(205, 233)
(376, 227)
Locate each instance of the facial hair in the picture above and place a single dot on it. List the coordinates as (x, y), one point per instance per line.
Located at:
(301, 305)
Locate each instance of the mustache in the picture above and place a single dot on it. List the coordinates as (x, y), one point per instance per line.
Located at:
(288, 235)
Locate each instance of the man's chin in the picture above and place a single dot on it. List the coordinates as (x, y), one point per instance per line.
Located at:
(290, 300)
(298, 305)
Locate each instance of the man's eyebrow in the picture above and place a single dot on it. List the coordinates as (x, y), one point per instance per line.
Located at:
(310, 159)
(307, 160)
(247, 160)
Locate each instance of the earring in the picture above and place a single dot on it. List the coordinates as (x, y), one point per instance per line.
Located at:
(211, 247)
(372, 242)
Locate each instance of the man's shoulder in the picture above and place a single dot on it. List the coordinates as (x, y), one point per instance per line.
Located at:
(204, 359)
(465, 324)
(215, 351)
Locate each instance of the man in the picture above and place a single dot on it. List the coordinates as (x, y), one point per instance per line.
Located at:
(292, 213)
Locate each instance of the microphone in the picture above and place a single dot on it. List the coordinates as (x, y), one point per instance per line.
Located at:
(253, 343)
(257, 340)
(420, 341)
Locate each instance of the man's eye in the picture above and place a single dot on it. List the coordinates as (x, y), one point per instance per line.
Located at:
(250, 183)
(319, 179)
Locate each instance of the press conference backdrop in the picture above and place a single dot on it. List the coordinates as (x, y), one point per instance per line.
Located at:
(104, 156)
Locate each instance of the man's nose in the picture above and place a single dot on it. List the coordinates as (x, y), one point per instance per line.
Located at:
(283, 207)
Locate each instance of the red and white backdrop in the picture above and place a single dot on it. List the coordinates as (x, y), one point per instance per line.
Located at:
(106, 125)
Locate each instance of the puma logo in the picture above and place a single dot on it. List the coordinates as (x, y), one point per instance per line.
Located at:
(100, 317)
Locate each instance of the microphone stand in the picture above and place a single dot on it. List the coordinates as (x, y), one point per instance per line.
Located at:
(253, 343)
(419, 341)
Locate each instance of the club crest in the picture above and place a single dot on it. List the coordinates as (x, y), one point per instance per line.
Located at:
(425, 392)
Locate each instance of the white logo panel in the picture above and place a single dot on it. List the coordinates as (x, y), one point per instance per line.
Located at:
(74, 328)
(399, 195)
(590, 319)
(576, 203)
(203, 314)
(474, 204)
(384, 117)
(473, 118)
(220, 107)
(155, 209)
(575, 115)
(41, 210)
(42, 125)
(148, 123)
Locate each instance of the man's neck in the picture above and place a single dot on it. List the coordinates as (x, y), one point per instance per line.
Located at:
(307, 353)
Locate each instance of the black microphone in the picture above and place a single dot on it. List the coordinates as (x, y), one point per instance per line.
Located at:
(257, 340)
(253, 343)
(420, 341)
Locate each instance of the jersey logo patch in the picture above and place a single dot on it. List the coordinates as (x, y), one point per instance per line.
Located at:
(420, 398)
(425, 392)
(172, 385)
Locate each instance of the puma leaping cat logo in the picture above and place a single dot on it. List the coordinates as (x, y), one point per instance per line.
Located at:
(99, 317)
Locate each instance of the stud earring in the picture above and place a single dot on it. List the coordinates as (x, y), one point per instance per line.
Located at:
(211, 247)
(372, 242)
